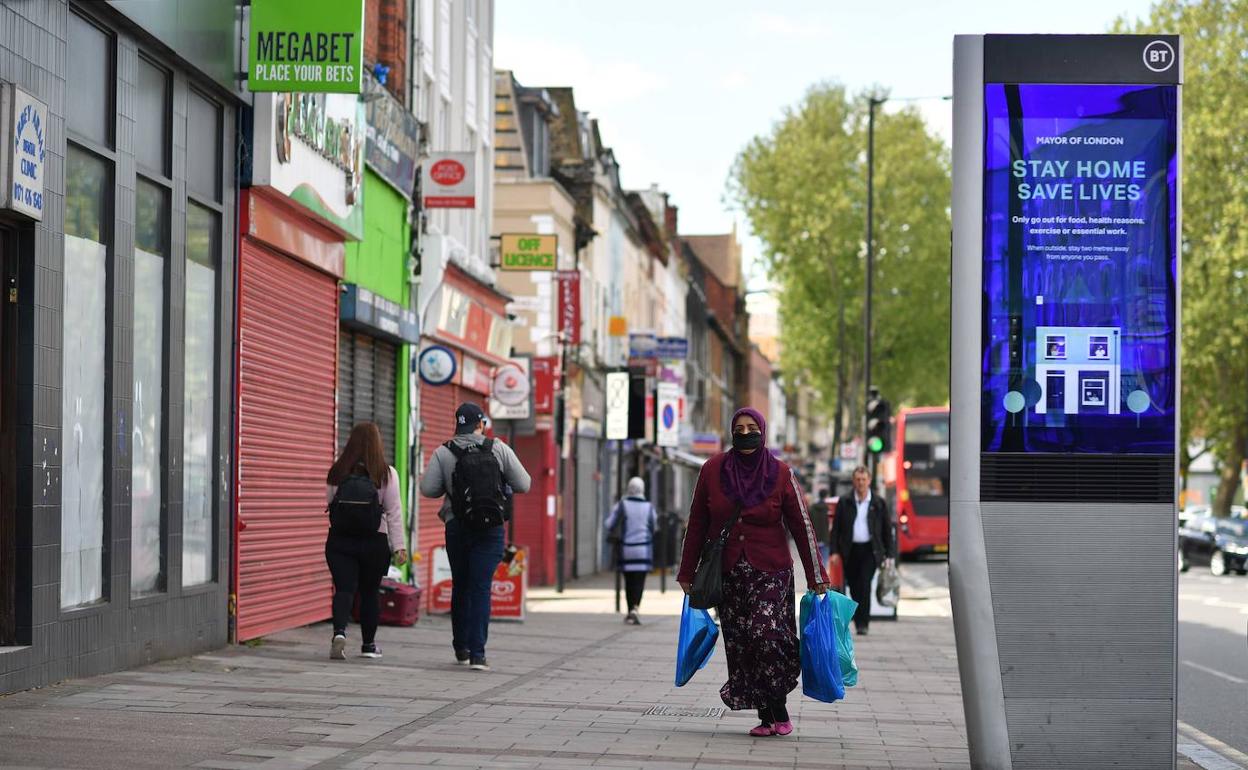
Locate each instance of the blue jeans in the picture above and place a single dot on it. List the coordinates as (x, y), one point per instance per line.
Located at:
(474, 555)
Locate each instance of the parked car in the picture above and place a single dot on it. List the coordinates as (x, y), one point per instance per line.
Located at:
(1220, 544)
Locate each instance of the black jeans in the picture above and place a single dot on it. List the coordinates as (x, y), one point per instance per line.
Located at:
(357, 564)
(859, 570)
(634, 585)
(774, 712)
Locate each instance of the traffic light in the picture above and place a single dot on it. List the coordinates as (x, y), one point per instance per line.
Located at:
(878, 413)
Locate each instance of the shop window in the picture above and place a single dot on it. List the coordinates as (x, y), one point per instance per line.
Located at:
(199, 402)
(203, 141)
(88, 184)
(90, 82)
(147, 554)
(152, 115)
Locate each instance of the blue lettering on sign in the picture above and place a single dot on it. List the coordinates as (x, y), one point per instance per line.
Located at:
(29, 155)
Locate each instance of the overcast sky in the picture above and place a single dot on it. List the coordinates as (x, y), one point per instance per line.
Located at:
(680, 86)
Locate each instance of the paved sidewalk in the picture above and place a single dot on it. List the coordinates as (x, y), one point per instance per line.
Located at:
(572, 687)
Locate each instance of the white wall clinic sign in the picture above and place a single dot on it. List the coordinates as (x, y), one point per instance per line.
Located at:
(25, 121)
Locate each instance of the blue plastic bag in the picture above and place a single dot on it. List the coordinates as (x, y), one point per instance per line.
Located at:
(843, 609)
(698, 633)
(821, 667)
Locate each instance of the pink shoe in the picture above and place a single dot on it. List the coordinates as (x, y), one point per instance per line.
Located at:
(762, 731)
(783, 728)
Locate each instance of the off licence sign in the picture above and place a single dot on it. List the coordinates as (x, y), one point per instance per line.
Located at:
(312, 46)
(529, 252)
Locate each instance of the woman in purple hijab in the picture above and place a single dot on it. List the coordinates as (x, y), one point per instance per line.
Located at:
(756, 615)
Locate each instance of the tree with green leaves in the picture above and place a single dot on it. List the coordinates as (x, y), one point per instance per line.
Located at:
(1215, 226)
(803, 187)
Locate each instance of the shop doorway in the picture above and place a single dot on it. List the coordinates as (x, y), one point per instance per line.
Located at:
(8, 440)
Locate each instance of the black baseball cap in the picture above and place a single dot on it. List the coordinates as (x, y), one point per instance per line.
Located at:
(467, 417)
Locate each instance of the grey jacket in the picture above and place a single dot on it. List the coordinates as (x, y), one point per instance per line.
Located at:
(436, 481)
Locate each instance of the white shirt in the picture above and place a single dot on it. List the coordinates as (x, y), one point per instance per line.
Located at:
(862, 526)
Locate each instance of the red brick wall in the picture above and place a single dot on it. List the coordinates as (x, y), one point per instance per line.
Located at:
(385, 41)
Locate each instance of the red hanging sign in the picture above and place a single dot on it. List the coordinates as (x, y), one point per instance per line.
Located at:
(544, 384)
(570, 306)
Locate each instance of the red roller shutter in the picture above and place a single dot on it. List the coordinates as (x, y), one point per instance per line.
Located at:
(288, 333)
(437, 416)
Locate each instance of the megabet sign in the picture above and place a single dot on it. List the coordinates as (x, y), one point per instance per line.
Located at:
(306, 45)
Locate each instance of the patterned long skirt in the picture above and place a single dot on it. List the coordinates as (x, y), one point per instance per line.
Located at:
(760, 637)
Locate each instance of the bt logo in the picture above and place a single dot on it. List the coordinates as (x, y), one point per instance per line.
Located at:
(1159, 56)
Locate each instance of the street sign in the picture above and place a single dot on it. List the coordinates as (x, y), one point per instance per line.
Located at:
(436, 365)
(642, 345)
(510, 391)
(528, 252)
(570, 306)
(25, 128)
(672, 349)
(617, 405)
(617, 326)
(667, 432)
(448, 180)
(306, 45)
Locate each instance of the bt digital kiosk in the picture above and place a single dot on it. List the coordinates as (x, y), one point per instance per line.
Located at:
(1065, 396)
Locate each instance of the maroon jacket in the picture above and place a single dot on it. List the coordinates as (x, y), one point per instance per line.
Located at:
(762, 531)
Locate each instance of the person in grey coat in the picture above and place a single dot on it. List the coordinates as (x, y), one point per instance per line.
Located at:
(630, 529)
(473, 553)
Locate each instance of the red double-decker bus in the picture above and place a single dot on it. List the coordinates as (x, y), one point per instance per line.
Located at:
(916, 480)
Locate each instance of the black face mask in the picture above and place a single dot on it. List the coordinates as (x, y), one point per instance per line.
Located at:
(747, 440)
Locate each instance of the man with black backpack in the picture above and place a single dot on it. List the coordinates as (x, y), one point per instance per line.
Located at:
(472, 473)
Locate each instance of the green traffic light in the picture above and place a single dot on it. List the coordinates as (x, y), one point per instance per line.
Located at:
(875, 445)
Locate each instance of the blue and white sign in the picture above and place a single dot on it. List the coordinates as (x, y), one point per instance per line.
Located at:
(672, 349)
(436, 365)
(668, 413)
(23, 161)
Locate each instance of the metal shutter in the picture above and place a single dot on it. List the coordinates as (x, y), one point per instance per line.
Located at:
(385, 360)
(589, 509)
(366, 386)
(288, 332)
(437, 417)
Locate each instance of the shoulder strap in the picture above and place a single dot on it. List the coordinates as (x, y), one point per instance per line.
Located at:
(723, 535)
(487, 445)
(455, 450)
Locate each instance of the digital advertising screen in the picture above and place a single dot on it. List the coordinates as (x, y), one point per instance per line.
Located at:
(1080, 203)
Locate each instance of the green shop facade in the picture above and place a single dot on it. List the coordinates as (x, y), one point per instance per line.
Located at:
(378, 326)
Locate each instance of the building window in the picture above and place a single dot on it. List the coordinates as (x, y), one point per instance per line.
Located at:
(88, 184)
(199, 446)
(148, 527)
(147, 553)
(85, 312)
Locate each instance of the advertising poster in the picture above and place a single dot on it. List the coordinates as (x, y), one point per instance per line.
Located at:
(1079, 269)
(507, 592)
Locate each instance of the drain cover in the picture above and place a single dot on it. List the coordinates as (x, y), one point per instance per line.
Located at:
(683, 711)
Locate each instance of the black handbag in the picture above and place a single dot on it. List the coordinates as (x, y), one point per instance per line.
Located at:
(707, 590)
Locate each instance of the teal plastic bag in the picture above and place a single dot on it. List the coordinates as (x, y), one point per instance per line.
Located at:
(843, 609)
(695, 643)
(821, 669)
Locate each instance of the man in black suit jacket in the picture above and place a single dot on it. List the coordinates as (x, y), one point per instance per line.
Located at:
(863, 538)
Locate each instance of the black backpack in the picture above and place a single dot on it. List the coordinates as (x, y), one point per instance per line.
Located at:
(355, 510)
(477, 495)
